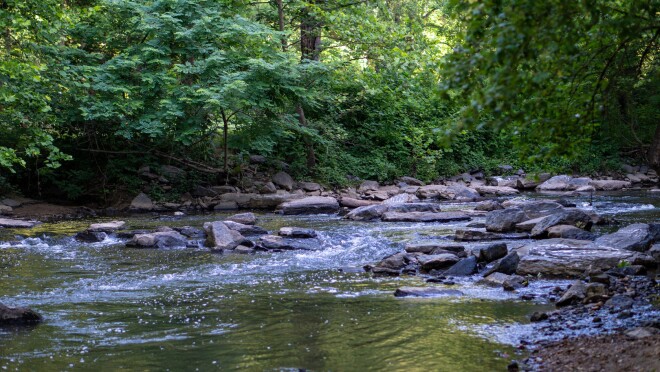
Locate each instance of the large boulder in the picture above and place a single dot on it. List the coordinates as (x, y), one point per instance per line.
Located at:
(18, 316)
(16, 224)
(309, 186)
(567, 257)
(424, 217)
(507, 265)
(636, 237)
(220, 237)
(283, 180)
(506, 219)
(573, 217)
(159, 239)
(609, 185)
(426, 292)
(453, 192)
(411, 181)
(564, 183)
(310, 205)
(367, 213)
(430, 247)
(142, 203)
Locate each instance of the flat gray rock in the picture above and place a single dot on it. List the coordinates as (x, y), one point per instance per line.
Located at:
(310, 205)
(425, 217)
(106, 226)
(15, 224)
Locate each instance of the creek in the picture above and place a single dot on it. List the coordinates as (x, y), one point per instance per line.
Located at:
(109, 307)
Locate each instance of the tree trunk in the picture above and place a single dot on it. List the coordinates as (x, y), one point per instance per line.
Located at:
(280, 22)
(653, 155)
(225, 130)
(310, 50)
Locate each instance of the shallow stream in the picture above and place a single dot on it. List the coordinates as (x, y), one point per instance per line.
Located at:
(107, 307)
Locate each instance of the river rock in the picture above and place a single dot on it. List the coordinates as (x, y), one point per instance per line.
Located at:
(18, 316)
(567, 257)
(297, 232)
(225, 206)
(414, 207)
(241, 249)
(367, 213)
(527, 183)
(573, 217)
(492, 252)
(429, 248)
(396, 261)
(529, 224)
(160, 239)
(401, 198)
(569, 232)
(220, 237)
(609, 185)
(274, 242)
(507, 265)
(437, 261)
(310, 205)
(265, 201)
(309, 186)
(506, 219)
(368, 186)
(488, 205)
(573, 295)
(514, 282)
(244, 218)
(200, 191)
(563, 183)
(498, 181)
(494, 279)
(475, 235)
(266, 188)
(13, 203)
(224, 189)
(378, 195)
(142, 203)
(16, 224)
(425, 217)
(464, 267)
(636, 237)
(453, 192)
(283, 180)
(5, 209)
(106, 226)
(411, 181)
(496, 190)
(245, 230)
(356, 203)
(91, 236)
(618, 303)
(190, 232)
(426, 292)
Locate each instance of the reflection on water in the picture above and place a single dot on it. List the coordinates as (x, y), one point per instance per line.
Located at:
(111, 307)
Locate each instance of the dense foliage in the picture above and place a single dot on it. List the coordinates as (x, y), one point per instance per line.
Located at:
(91, 90)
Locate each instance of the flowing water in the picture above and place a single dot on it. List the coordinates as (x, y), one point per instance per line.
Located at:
(108, 307)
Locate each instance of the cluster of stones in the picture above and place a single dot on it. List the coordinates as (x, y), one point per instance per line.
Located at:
(562, 246)
(237, 233)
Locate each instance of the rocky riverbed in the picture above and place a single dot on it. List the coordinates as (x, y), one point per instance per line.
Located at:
(581, 254)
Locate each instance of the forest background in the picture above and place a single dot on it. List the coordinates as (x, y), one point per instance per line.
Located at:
(92, 90)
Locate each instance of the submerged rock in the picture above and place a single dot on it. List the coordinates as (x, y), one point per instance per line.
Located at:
(310, 205)
(426, 292)
(274, 242)
(161, 239)
(18, 316)
(91, 236)
(425, 217)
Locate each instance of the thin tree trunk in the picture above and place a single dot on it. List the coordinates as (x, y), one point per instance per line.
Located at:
(280, 21)
(225, 130)
(653, 154)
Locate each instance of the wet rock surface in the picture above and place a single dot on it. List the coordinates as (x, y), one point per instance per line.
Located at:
(14, 316)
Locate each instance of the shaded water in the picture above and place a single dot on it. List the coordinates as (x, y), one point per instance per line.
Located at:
(110, 307)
